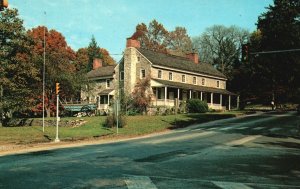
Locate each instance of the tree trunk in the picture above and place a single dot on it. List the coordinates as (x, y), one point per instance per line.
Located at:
(48, 111)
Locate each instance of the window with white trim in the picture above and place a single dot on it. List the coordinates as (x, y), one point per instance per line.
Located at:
(170, 76)
(121, 75)
(203, 81)
(194, 80)
(108, 83)
(143, 73)
(159, 74)
(183, 78)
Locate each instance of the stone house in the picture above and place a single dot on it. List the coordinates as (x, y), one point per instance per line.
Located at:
(100, 90)
(172, 78)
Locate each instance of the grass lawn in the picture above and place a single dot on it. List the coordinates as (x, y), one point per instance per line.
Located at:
(93, 128)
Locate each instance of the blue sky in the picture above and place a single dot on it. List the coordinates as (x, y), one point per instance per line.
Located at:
(112, 21)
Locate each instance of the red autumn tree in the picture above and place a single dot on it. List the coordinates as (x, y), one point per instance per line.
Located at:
(59, 58)
(141, 95)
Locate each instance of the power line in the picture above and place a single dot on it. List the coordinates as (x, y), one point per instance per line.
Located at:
(116, 54)
(277, 51)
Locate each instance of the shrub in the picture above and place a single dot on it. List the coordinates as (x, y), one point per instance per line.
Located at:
(182, 107)
(197, 106)
(133, 112)
(111, 121)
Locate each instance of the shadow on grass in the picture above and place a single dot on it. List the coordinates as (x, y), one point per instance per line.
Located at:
(197, 118)
(47, 137)
(283, 144)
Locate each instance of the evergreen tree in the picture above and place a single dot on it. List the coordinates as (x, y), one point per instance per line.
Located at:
(280, 30)
(93, 52)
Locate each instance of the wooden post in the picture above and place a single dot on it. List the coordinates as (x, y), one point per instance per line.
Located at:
(221, 101)
(211, 99)
(166, 89)
(156, 94)
(229, 102)
(201, 96)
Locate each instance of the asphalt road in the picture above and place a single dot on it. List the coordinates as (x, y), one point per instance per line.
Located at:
(258, 151)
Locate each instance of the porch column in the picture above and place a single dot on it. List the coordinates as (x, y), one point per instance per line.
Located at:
(201, 96)
(229, 102)
(166, 95)
(156, 94)
(190, 94)
(178, 93)
(238, 102)
(211, 99)
(221, 101)
(98, 102)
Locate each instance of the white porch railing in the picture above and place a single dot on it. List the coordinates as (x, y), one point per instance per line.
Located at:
(162, 102)
(103, 107)
(171, 103)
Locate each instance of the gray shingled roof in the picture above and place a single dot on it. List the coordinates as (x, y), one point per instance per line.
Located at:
(104, 71)
(182, 63)
(106, 91)
(193, 87)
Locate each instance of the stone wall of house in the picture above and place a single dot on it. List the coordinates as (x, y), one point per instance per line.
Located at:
(142, 64)
(130, 60)
(177, 77)
(96, 86)
(134, 63)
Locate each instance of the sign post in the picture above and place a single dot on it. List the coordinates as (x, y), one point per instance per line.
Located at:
(117, 113)
(57, 119)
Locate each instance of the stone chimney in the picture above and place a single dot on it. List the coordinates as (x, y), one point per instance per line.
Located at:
(133, 43)
(193, 57)
(97, 63)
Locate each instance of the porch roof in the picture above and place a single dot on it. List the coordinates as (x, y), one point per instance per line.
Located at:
(192, 87)
(107, 92)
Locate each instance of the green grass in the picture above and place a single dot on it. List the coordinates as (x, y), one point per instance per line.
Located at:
(93, 128)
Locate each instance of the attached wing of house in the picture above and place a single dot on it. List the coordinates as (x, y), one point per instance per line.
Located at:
(100, 90)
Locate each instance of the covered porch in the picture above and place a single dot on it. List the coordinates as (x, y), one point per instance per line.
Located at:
(104, 99)
(165, 93)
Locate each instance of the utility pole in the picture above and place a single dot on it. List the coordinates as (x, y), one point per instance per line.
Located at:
(44, 65)
(117, 115)
(57, 111)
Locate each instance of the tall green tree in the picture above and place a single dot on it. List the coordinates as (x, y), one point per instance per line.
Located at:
(179, 42)
(221, 46)
(93, 52)
(280, 31)
(17, 71)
